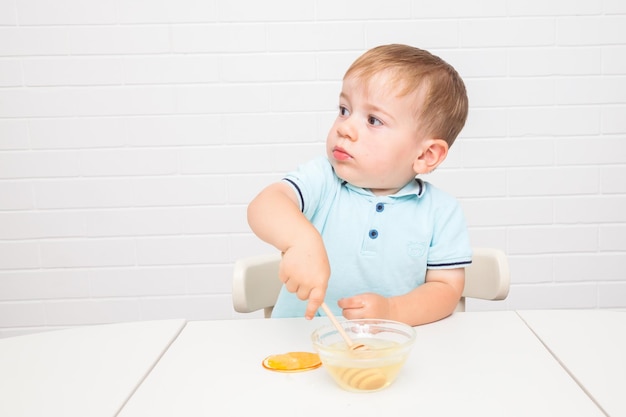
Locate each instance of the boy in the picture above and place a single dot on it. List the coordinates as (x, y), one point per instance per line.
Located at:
(357, 228)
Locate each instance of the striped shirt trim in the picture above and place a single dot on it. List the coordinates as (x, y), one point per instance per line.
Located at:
(299, 192)
(445, 264)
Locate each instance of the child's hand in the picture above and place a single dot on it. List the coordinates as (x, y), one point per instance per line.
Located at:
(305, 270)
(365, 306)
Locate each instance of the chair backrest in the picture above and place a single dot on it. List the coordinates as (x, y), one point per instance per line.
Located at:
(256, 284)
(487, 277)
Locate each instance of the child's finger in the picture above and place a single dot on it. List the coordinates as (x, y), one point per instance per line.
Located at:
(316, 298)
(351, 303)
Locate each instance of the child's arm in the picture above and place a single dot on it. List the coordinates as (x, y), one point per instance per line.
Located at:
(275, 217)
(434, 300)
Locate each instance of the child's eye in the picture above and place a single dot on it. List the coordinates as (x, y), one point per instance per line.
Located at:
(374, 121)
(343, 111)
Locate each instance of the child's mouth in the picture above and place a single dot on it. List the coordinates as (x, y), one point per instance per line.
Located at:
(340, 154)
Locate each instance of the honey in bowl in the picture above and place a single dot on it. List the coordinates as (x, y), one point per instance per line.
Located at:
(366, 370)
(292, 362)
(375, 366)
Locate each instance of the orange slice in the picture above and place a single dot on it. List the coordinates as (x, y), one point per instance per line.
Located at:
(292, 362)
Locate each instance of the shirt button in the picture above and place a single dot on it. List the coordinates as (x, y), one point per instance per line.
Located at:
(373, 233)
(380, 207)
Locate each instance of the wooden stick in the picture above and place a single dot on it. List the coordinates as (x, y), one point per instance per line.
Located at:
(340, 329)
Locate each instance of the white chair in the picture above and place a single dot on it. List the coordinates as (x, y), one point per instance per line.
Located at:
(256, 284)
(487, 277)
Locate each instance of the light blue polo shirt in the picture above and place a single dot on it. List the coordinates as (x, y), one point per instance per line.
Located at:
(380, 244)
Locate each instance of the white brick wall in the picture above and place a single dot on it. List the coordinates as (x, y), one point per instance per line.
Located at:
(133, 133)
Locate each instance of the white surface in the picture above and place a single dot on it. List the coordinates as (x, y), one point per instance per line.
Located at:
(591, 344)
(471, 364)
(83, 372)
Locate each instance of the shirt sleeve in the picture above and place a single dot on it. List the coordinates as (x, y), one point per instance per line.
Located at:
(450, 246)
(312, 183)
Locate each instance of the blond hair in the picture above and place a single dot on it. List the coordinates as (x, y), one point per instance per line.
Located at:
(444, 110)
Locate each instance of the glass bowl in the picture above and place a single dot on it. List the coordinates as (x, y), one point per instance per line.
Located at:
(370, 368)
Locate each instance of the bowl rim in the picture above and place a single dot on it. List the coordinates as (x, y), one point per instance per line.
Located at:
(399, 326)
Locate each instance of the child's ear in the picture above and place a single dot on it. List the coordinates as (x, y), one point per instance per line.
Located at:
(434, 151)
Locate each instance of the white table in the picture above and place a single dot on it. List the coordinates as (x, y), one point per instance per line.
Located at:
(591, 345)
(471, 364)
(87, 372)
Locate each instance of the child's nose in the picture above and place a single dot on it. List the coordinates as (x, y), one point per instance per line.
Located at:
(347, 130)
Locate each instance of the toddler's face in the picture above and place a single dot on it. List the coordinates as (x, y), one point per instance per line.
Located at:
(375, 140)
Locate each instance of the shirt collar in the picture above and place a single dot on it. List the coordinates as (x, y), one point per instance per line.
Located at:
(415, 187)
